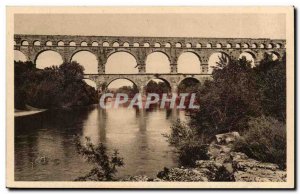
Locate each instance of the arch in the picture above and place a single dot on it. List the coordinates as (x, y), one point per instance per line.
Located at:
(156, 86)
(136, 44)
(156, 44)
(278, 45)
(178, 45)
(37, 43)
(72, 43)
(217, 60)
(208, 45)
(120, 78)
(188, 78)
(125, 44)
(24, 43)
(116, 44)
(48, 58)
(249, 57)
(168, 45)
(228, 45)
(105, 44)
(198, 45)
(19, 56)
(261, 45)
(245, 45)
(158, 62)
(219, 45)
(95, 43)
(83, 43)
(188, 85)
(49, 43)
(146, 44)
(87, 59)
(254, 45)
(274, 55)
(91, 83)
(270, 45)
(129, 63)
(60, 43)
(189, 62)
(238, 45)
(117, 84)
(188, 45)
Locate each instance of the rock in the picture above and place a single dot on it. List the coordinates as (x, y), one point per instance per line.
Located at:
(238, 155)
(226, 138)
(209, 164)
(260, 176)
(250, 170)
(223, 165)
(139, 178)
(186, 175)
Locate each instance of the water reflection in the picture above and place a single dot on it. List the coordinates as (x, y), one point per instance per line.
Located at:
(136, 133)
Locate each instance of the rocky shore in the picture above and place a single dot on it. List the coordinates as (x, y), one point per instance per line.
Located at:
(223, 165)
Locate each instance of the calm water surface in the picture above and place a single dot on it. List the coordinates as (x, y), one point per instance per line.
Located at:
(137, 134)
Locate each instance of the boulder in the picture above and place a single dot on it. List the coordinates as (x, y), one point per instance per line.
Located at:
(226, 138)
(250, 170)
(185, 175)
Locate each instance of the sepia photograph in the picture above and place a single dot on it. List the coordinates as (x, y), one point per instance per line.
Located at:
(150, 97)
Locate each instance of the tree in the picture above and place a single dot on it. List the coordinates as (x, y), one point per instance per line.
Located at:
(228, 101)
(130, 91)
(105, 166)
(237, 99)
(271, 78)
(157, 87)
(52, 87)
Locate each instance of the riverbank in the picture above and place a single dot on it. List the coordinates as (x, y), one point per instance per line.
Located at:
(223, 165)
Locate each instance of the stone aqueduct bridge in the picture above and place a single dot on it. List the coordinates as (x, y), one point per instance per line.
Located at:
(140, 47)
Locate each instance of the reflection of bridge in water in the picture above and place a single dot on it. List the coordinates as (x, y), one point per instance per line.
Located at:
(140, 47)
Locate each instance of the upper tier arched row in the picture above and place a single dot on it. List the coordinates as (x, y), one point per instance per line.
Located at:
(140, 47)
(156, 42)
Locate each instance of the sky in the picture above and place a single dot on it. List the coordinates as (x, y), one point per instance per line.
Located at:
(177, 25)
(174, 25)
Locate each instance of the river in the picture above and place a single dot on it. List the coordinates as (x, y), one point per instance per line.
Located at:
(137, 134)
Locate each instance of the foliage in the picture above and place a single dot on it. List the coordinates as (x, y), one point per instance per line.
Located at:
(157, 87)
(189, 144)
(271, 79)
(129, 90)
(229, 102)
(52, 87)
(265, 140)
(189, 85)
(105, 166)
(222, 175)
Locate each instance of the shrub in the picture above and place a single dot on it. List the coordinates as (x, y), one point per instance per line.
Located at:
(105, 166)
(265, 141)
(190, 145)
(223, 174)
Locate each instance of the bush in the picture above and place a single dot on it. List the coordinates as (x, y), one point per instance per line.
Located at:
(190, 145)
(105, 166)
(265, 141)
(222, 175)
